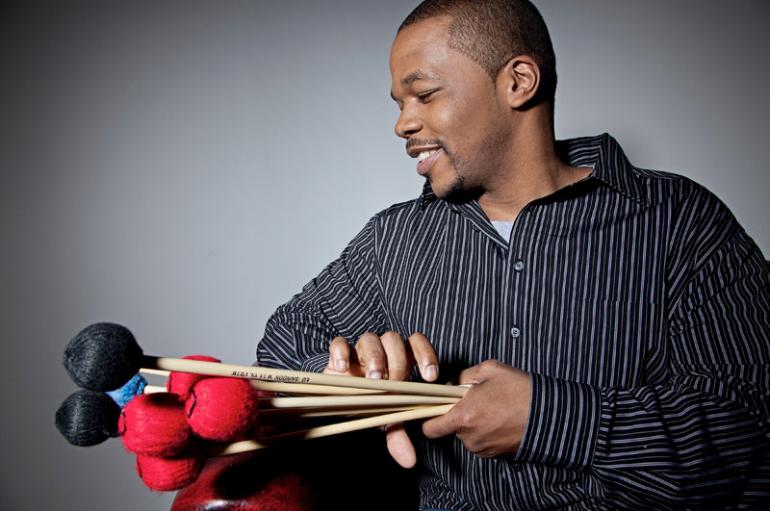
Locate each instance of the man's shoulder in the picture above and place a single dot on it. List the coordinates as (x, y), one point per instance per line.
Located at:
(676, 190)
(691, 209)
(700, 222)
(611, 165)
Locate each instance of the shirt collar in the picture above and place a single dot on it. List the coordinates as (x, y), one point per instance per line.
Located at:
(427, 196)
(602, 153)
(609, 163)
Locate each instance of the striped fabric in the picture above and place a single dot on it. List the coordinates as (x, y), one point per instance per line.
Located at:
(633, 297)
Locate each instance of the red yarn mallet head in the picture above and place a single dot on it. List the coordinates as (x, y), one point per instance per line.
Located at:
(155, 425)
(222, 409)
(181, 383)
(285, 492)
(268, 481)
(168, 474)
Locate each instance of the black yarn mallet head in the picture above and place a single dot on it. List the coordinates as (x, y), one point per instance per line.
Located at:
(102, 357)
(87, 418)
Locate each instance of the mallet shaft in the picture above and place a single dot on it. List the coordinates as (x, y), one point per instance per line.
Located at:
(341, 401)
(285, 375)
(335, 429)
(291, 388)
(349, 401)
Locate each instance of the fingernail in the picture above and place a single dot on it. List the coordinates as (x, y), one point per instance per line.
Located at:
(341, 365)
(375, 375)
(430, 372)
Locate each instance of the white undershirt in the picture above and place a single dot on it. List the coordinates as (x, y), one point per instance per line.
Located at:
(504, 228)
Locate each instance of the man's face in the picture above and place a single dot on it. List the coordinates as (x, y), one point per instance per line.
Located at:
(451, 115)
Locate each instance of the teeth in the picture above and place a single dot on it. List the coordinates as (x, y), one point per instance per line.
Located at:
(425, 155)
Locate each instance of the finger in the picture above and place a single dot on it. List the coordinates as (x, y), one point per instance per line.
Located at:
(339, 355)
(424, 355)
(480, 372)
(471, 375)
(400, 446)
(397, 356)
(443, 425)
(372, 356)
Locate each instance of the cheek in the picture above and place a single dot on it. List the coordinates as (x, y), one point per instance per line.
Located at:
(460, 127)
(448, 123)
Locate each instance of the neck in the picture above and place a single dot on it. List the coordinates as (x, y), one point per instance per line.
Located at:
(530, 171)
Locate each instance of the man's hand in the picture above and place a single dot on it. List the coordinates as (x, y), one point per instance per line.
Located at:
(389, 357)
(491, 418)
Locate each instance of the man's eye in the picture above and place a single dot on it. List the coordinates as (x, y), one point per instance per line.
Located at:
(425, 96)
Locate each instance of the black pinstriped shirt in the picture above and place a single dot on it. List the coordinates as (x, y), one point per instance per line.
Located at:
(636, 301)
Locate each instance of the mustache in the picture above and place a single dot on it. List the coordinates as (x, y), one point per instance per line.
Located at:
(412, 142)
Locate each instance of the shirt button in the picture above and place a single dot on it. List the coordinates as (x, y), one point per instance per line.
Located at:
(518, 265)
(515, 332)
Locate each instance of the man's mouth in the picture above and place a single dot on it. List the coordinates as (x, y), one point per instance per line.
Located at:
(426, 159)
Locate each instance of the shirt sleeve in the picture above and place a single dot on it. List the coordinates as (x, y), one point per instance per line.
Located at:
(702, 436)
(344, 300)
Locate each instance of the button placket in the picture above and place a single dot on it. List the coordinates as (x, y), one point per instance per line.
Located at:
(520, 233)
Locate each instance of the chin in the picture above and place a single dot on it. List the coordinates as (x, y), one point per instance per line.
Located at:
(454, 191)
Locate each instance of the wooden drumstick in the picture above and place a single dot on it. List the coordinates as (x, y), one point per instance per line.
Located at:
(292, 413)
(350, 401)
(314, 412)
(335, 429)
(341, 401)
(290, 388)
(286, 375)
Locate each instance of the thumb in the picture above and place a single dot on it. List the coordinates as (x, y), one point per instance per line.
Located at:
(472, 375)
(443, 425)
(400, 446)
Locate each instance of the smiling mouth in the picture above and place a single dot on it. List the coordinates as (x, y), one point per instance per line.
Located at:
(425, 155)
(426, 159)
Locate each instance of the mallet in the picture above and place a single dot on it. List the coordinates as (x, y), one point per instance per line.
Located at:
(104, 356)
(289, 388)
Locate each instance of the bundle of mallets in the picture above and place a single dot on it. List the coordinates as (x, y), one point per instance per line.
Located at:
(212, 409)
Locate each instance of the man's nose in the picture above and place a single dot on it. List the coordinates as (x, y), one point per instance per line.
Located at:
(408, 123)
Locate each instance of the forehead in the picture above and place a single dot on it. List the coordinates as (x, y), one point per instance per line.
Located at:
(422, 47)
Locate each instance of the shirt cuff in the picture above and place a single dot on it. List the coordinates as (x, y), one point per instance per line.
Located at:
(316, 363)
(563, 424)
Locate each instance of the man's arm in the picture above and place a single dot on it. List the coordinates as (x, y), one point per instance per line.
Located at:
(337, 325)
(701, 437)
(343, 301)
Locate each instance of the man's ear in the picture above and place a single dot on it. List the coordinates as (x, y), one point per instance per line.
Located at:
(519, 81)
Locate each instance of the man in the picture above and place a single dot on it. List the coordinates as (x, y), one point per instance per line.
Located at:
(614, 321)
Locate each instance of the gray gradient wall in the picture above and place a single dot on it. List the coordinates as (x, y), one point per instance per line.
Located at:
(184, 167)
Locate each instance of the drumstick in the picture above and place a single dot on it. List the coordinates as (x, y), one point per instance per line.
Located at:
(292, 413)
(341, 401)
(317, 408)
(335, 429)
(288, 388)
(154, 372)
(346, 401)
(301, 377)
(331, 411)
(104, 356)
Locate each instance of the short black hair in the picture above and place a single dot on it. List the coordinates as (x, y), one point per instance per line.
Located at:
(491, 32)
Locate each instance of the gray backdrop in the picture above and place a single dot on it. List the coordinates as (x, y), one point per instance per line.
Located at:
(184, 167)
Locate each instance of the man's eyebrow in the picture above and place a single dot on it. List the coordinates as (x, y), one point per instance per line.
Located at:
(415, 76)
(418, 75)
